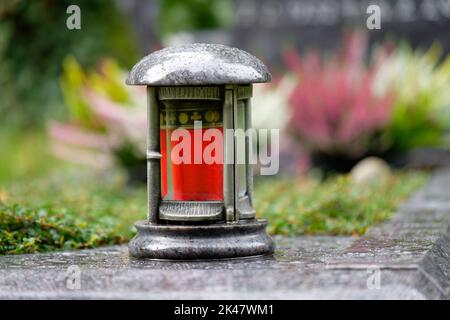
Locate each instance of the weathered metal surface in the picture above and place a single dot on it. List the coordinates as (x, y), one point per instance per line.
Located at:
(153, 156)
(210, 241)
(198, 64)
(190, 92)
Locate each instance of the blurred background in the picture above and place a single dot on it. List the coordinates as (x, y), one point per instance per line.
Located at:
(340, 93)
(354, 106)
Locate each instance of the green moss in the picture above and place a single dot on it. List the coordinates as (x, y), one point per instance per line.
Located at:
(335, 206)
(26, 230)
(71, 210)
(77, 210)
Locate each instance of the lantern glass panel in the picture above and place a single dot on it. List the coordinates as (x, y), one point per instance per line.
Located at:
(186, 174)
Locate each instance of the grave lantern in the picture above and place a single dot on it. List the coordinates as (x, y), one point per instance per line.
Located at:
(200, 199)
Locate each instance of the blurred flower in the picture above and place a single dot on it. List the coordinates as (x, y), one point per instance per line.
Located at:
(334, 108)
(106, 117)
(270, 103)
(270, 110)
(421, 86)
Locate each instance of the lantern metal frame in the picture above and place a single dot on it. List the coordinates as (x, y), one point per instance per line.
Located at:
(177, 229)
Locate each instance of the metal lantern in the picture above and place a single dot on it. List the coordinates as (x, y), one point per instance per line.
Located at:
(199, 210)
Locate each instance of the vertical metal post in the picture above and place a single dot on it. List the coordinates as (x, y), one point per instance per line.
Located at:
(237, 181)
(228, 154)
(153, 156)
(248, 150)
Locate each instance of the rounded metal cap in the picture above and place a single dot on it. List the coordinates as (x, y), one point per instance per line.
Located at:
(198, 64)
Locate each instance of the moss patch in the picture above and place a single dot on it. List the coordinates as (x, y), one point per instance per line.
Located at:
(335, 206)
(67, 211)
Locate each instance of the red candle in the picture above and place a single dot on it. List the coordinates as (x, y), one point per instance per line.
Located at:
(190, 180)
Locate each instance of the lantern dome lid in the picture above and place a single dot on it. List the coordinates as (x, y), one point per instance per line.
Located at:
(198, 64)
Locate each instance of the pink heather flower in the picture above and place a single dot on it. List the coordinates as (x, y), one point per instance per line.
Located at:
(333, 107)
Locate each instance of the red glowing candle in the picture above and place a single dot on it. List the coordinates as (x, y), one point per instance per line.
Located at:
(194, 179)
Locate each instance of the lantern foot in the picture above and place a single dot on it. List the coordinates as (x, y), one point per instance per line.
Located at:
(209, 241)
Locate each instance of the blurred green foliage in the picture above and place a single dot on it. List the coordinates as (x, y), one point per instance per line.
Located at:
(189, 15)
(34, 40)
(108, 80)
(79, 209)
(24, 154)
(420, 82)
(125, 105)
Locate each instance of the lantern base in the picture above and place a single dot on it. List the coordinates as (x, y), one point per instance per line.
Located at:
(191, 242)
